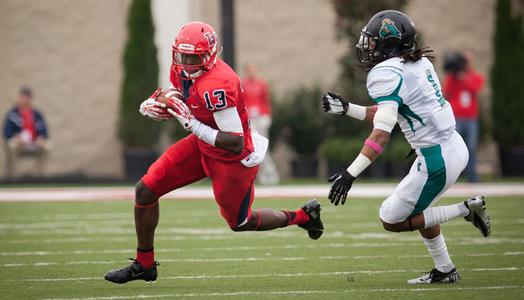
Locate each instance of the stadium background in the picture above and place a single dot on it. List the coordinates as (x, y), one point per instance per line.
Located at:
(70, 52)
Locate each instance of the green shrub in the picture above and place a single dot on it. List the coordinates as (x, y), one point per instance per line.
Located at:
(298, 120)
(140, 78)
(506, 76)
(396, 149)
(341, 150)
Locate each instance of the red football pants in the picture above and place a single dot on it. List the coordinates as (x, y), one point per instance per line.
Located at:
(183, 163)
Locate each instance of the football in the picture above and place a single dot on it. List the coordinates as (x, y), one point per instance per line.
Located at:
(168, 93)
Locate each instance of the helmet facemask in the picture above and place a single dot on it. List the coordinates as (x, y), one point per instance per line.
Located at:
(195, 54)
(190, 65)
(366, 49)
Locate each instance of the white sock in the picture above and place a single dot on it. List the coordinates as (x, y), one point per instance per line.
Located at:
(442, 214)
(439, 252)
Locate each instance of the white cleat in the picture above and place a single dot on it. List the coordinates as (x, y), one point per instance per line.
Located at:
(477, 214)
(435, 276)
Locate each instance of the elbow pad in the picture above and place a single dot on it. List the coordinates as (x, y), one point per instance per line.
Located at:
(385, 117)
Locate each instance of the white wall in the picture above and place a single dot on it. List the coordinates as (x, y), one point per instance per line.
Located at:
(169, 16)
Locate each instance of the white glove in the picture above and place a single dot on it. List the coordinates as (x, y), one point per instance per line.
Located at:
(334, 104)
(153, 109)
(179, 110)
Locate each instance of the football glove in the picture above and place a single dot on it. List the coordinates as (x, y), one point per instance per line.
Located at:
(342, 183)
(153, 109)
(179, 110)
(334, 104)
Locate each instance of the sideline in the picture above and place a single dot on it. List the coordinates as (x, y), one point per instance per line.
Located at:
(365, 190)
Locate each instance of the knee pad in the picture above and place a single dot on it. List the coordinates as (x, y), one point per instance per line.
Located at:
(394, 210)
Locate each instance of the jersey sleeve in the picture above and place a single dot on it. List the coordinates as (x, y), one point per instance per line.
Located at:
(174, 79)
(217, 95)
(384, 84)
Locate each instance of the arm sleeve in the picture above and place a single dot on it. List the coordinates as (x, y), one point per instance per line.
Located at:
(228, 120)
(384, 85)
(386, 116)
(174, 79)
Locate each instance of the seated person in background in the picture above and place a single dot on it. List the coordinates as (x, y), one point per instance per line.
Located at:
(25, 133)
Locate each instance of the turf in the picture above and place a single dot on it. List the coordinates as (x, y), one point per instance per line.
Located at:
(62, 250)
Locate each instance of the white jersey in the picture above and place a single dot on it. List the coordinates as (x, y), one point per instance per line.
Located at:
(425, 117)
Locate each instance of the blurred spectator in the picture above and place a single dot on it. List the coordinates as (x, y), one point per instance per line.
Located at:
(461, 87)
(25, 133)
(256, 95)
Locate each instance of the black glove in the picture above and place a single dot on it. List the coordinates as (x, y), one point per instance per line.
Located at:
(342, 183)
(334, 104)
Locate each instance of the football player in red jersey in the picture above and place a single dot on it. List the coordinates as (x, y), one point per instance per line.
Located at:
(206, 98)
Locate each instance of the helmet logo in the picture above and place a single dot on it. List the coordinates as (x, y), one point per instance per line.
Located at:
(388, 29)
(211, 38)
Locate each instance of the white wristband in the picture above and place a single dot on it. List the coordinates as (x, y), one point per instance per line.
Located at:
(358, 165)
(356, 111)
(204, 132)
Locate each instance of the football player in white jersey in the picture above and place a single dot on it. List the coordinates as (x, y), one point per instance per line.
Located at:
(405, 88)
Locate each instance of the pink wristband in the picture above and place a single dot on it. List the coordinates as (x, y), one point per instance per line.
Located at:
(374, 146)
(374, 108)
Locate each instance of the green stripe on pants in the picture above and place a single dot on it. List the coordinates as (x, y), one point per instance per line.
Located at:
(436, 177)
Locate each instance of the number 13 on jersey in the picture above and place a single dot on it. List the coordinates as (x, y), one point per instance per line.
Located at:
(217, 99)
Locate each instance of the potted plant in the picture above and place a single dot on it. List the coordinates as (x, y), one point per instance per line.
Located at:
(508, 91)
(138, 134)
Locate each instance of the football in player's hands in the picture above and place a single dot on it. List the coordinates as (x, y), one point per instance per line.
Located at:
(175, 106)
(153, 109)
(168, 95)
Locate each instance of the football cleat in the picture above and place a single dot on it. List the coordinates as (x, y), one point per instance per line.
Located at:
(435, 276)
(314, 226)
(477, 214)
(133, 272)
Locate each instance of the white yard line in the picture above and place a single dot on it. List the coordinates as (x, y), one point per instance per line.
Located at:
(233, 276)
(288, 191)
(265, 258)
(381, 241)
(231, 248)
(189, 233)
(295, 292)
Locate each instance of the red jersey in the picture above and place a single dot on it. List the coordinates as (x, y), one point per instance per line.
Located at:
(257, 97)
(217, 89)
(462, 94)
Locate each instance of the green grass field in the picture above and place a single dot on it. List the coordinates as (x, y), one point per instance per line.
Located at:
(62, 250)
